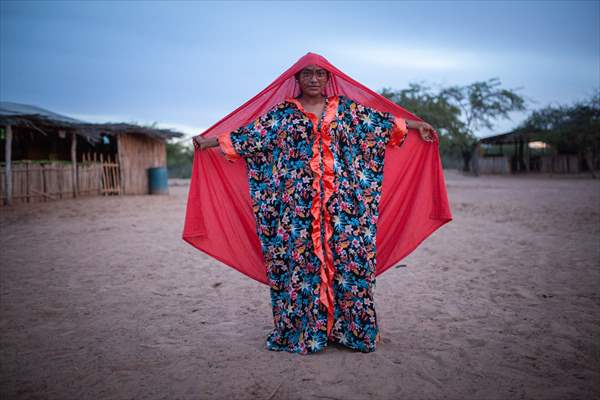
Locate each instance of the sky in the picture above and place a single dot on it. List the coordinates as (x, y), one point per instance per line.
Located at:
(185, 65)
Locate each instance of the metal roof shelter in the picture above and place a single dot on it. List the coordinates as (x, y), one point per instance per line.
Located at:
(520, 161)
(514, 136)
(521, 157)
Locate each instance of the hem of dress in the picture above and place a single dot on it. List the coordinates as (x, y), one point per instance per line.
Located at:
(307, 350)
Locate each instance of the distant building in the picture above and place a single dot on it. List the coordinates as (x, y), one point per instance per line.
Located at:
(48, 156)
(522, 151)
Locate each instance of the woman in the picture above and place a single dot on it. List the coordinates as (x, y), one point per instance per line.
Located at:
(315, 173)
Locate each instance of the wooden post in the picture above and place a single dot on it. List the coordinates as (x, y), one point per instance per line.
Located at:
(104, 176)
(120, 151)
(515, 158)
(8, 168)
(518, 149)
(103, 185)
(475, 159)
(521, 155)
(527, 155)
(74, 164)
(113, 173)
(110, 174)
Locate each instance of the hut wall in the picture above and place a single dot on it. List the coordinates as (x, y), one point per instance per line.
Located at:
(137, 153)
(494, 165)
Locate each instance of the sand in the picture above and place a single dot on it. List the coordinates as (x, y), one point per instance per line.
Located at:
(102, 299)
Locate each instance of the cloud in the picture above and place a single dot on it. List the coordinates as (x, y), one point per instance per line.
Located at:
(410, 57)
(188, 130)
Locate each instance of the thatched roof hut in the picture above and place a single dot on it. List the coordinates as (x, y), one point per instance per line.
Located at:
(35, 139)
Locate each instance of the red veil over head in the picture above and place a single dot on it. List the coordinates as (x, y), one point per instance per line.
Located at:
(219, 219)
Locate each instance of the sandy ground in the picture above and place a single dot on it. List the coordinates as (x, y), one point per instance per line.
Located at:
(101, 299)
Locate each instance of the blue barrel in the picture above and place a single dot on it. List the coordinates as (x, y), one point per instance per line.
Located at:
(158, 181)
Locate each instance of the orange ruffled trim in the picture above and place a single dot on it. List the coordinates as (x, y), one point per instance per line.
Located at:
(399, 132)
(328, 184)
(325, 255)
(227, 147)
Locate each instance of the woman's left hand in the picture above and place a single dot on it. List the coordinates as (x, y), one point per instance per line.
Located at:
(426, 131)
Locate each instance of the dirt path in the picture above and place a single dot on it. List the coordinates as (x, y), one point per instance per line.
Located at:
(101, 299)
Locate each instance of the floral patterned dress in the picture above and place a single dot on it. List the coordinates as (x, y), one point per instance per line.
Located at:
(315, 185)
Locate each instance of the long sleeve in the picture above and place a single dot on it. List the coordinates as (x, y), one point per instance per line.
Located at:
(251, 139)
(383, 127)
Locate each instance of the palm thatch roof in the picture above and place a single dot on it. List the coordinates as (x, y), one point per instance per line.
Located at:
(42, 120)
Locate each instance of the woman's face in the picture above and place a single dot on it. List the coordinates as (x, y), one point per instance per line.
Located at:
(312, 80)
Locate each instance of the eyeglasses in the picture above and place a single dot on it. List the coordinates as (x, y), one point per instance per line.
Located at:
(307, 74)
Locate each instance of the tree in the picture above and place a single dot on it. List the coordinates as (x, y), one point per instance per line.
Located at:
(179, 159)
(480, 103)
(458, 111)
(570, 129)
(426, 103)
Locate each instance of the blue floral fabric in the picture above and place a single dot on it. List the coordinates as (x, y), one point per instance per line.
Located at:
(277, 148)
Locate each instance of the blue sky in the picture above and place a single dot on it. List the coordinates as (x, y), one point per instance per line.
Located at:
(185, 65)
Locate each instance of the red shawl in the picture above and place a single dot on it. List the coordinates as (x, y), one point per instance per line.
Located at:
(219, 219)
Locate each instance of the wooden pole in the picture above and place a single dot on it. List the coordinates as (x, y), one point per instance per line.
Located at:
(118, 174)
(109, 172)
(120, 152)
(43, 194)
(104, 176)
(521, 155)
(113, 173)
(515, 157)
(475, 159)
(527, 155)
(103, 185)
(74, 164)
(8, 168)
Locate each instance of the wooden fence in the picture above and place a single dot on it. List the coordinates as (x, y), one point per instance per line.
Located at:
(494, 165)
(40, 181)
(561, 163)
(110, 181)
